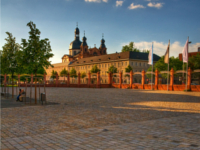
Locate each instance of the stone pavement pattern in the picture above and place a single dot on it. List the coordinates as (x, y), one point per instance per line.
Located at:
(105, 119)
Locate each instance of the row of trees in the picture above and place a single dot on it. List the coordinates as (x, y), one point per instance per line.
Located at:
(131, 48)
(31, 56)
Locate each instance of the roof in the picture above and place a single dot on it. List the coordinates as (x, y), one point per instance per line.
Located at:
(67, 55)
(115, 57)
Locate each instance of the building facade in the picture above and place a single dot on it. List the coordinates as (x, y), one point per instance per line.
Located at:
(82, 59)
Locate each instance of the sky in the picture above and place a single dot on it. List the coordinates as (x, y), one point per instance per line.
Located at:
(121, 22)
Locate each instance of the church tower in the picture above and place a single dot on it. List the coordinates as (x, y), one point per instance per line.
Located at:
(74, 47)
(102, 47)
(84, 46)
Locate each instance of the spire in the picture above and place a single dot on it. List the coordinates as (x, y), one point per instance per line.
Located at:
(77, 24)
(84, 43)
(102, 42)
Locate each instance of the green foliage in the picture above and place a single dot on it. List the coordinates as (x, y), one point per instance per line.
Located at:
(53, 74)
(112, 69)
(145, 51)
(128, 68)
(130, 47)
(64, 73)
(36, 52)
(194, 62)
(73, 73)
(174, 63)
(83, 75)
(95, 69)
(9, 55)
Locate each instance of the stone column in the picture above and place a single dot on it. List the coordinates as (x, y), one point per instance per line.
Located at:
(143, 78)
(68, 80)
(156, 79)
(44, 78)
(79, 79)
(56, 80)
(109, 79)
(31, 78)
(5, 77)
(189, 78)
(98, 79)
(120, 79)
(89, 79)
(131, 78)
(171, 79)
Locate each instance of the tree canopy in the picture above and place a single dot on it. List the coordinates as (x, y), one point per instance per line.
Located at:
(64, 73)
(73, 73)
(53, 74)
(112, 69)
(36, 52)
(130, 47)
(174, 63)
(9, 55)
(83, 75)
(95, 69)
(128, 68)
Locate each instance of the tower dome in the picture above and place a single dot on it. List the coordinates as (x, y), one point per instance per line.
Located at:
(84, 43)
(76, 43)
(102, 43)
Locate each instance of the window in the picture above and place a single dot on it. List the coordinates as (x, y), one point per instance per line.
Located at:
(118, 64)
(139, 64)
(125, 63)
(85, 49)
(136, 63)
(122, 63)
(114, 64)
(132, 63)
(74, 52)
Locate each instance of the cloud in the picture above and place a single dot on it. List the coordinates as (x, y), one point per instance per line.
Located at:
(96, 1)
(119, 3)
(160, 48)
(132, 6)
(156, 5)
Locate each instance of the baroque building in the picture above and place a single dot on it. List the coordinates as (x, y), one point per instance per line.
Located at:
(83, 58)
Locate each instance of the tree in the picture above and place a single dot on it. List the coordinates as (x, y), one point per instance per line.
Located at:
(73, 73)
(130, 47)
(129, 68)
(145, 51)
(64, 73)
(8, 57)
(83, 75)
(112, 69)
(194, 63)
(174, 63)
(36, 52)
(95, 69)
(53, 74)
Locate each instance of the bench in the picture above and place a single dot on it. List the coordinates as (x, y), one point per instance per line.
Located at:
(22, 97)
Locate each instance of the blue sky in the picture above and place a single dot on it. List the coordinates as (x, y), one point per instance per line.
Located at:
(121, 21)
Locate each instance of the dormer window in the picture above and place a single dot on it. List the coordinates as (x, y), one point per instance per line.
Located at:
(99, 59)
(108, 58)
(118, 56)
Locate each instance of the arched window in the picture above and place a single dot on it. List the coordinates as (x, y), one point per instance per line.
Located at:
(85, 49)
(104, 51)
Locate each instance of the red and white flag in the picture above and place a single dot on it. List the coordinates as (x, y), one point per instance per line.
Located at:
(185, 52)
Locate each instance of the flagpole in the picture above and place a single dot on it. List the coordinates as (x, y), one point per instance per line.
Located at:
(168, 70)
(187, 65)
(152, 67)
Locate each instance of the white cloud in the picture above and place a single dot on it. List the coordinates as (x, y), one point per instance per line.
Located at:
(96, 1)
(156, 5)
(160, 48)
(132, 6)
(119, 3)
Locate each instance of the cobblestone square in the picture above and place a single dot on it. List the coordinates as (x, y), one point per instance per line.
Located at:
(90, 118)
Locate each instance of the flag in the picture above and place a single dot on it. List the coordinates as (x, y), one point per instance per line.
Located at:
(166, 58)
(151, 56)
(185, 52)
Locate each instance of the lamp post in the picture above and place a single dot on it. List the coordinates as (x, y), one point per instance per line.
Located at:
(12, 70)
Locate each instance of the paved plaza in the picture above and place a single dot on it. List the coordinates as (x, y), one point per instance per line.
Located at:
(90, 118)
